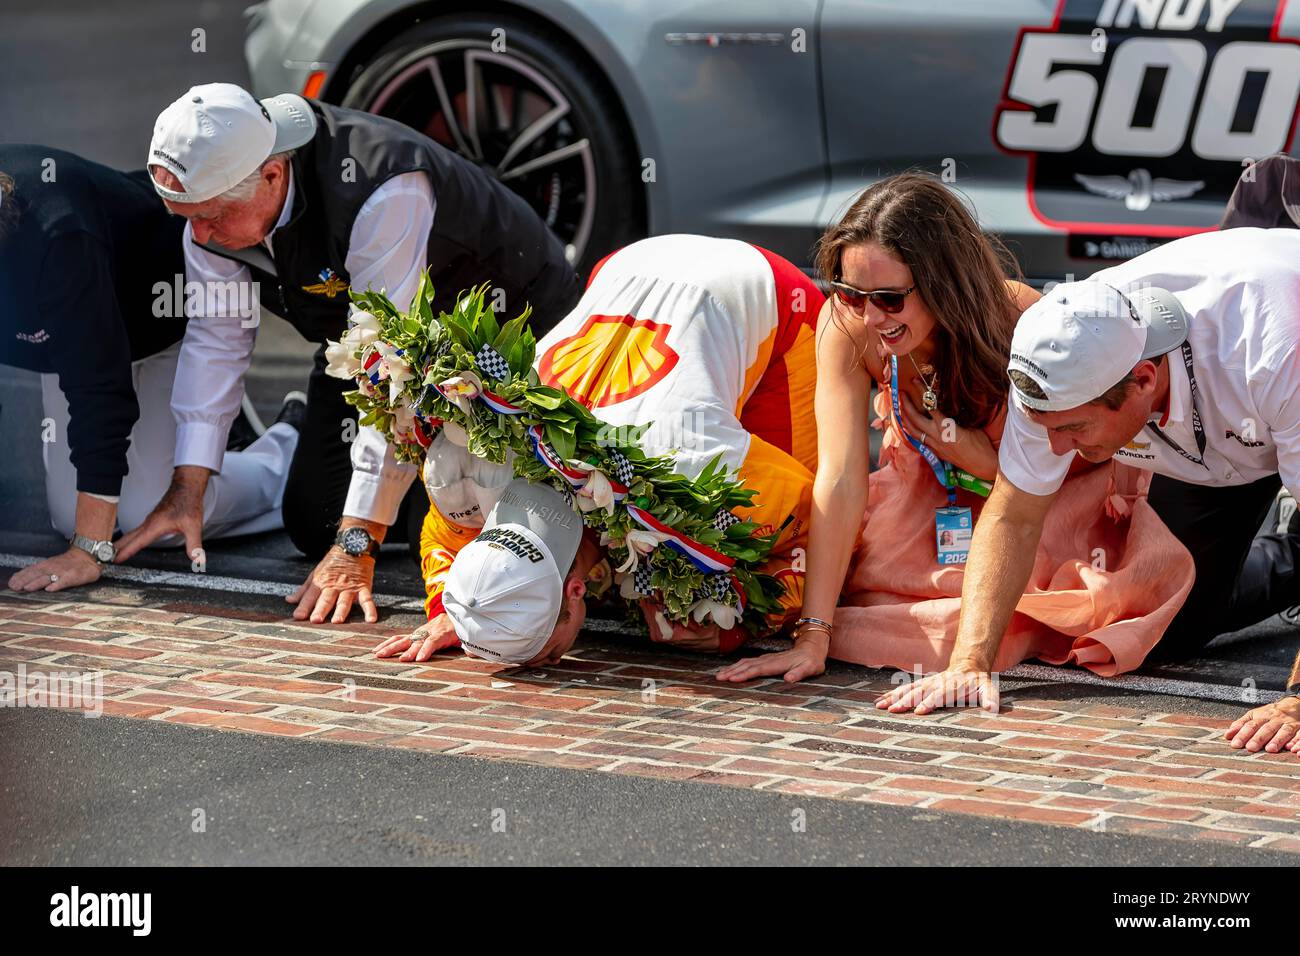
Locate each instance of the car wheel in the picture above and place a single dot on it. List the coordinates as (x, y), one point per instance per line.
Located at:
(532, 114)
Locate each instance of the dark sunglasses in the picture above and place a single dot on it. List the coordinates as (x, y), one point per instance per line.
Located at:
(888, 301)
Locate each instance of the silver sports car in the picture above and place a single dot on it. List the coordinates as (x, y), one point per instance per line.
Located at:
(1083, 131)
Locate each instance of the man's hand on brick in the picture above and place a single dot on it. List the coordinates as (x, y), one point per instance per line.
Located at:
(429, 638)
(179, 512)
(1272, 728)
(340, 581)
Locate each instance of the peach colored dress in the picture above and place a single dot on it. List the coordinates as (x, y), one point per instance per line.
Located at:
(1108, 578)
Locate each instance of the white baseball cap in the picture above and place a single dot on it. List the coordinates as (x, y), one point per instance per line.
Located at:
(1082, 338)
(504, 590)
(217, 135)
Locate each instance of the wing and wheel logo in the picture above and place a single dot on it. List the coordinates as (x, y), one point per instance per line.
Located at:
(1139, 189)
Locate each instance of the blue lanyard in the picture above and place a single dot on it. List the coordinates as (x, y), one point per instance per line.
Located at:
(940, 468)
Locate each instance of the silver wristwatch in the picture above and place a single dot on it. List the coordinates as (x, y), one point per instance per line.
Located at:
(356, 542)
(101, 551)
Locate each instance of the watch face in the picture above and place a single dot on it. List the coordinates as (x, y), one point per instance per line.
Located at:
(356, 541)
(104, 551)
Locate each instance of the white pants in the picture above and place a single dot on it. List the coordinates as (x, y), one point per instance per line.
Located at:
(244, 499)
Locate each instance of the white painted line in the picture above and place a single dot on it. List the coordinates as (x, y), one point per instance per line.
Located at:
(207, 582)
(1036, 672)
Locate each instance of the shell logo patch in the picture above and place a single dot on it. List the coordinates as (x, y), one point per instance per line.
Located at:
(611, 359)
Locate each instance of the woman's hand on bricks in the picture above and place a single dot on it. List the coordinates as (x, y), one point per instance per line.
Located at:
(806, 659)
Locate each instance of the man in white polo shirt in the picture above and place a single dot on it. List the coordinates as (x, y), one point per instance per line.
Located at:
(1181, 361)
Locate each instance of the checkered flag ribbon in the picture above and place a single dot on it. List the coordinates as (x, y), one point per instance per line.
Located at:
(491, 364)
(641, 578)
(716, 587)
(622, 468)
(724, 520)
(568, 494)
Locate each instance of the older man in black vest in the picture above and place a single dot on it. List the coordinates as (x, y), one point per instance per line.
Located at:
(304, 201)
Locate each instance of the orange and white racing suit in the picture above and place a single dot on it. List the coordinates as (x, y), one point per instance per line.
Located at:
(709, 340)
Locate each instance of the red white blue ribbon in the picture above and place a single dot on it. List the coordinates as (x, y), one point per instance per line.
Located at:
(370, 365)
(700, 555)
(498, 404)
(740, 594)
(576, 477)
(492, 401)
(547, 456)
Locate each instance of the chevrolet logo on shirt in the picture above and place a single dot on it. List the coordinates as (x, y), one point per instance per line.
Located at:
(330, 284)
(1139, 450)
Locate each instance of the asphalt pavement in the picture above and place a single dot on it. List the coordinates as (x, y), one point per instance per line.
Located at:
(90, 77)
(118, 792)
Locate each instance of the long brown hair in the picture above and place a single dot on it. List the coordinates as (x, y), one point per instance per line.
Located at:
(958, 271)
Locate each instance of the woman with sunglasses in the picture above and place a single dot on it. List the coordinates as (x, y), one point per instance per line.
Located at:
(921, 306)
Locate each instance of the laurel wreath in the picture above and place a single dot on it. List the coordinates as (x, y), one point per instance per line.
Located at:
(672, 538)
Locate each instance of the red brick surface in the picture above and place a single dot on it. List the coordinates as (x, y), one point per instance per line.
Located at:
(630, 711)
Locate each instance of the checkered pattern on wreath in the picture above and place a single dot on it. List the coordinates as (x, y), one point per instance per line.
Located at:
(641, 578)
(491, 364)
(716, 587)
(622, 467)
(724, 520)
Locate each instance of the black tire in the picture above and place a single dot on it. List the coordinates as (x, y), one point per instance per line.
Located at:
(617, 216)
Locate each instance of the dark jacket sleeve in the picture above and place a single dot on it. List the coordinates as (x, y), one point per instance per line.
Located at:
(92, 357)
(1267, 195)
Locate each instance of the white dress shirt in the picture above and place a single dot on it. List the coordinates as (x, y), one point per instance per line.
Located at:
(1241, 290)
(387, 249)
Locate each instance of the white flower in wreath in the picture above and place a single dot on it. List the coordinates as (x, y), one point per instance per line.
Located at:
(341, 359)
(455, 434)
(461, 390)
(361, 319)
(363, 330)
(395, 368)
(404, 424)
(640, 543)
(596, 492)
(723, 615)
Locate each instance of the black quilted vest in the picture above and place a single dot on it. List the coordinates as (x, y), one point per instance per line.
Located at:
(482, 231)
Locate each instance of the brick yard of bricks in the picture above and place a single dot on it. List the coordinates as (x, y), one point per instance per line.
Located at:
(1049, 757)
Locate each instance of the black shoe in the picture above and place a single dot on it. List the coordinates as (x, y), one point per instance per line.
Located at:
(246, 428)
(293, 410)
